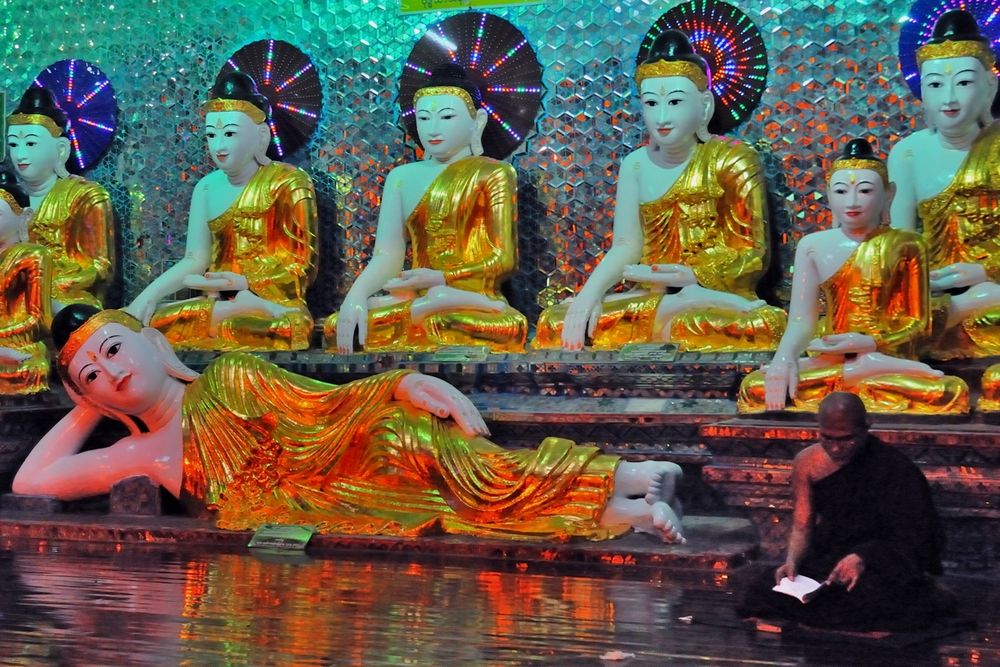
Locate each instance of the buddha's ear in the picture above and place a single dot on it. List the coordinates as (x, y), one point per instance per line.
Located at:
(175, 367)
(264, 140)
(890, 194)
(707, 111)
(63, 151)
(481, 119)
(986, 118)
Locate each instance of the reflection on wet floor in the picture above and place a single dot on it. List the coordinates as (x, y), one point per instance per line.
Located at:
(146, 607)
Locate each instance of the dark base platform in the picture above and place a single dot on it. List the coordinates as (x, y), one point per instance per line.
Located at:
(716, 545)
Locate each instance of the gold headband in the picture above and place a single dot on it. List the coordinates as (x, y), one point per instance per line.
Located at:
(957, 49)
(662, 68)
(80, 336)
(860, 163)
(219, 104)
(9, 198)
(35, 119)
(447, 90)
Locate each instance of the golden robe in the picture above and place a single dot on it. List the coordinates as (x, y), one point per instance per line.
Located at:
(268, 235)
(76, 225)
(962, 224)
(465, 227)
(25, 315)
(712, 219)
(265, 445)
(881, 290)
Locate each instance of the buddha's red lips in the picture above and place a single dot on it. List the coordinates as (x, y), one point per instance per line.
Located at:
(435, 142)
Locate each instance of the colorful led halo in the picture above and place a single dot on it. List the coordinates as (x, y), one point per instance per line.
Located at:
(87, 98)
(498, 58)
(288, 79)
(732, 46)
(918, 26)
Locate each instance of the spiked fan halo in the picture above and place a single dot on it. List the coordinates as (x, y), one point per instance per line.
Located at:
(87, 98)
(732, 46)
(288, 79)
(497, 58)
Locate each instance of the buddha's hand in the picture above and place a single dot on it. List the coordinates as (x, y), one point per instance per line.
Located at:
(581, 322)
(217, 281)
(781, 382)
(847, 571)
(441, 399)
(353, 316)
(962, 274)
(845, 343)
(674, 275)
(415, 279)
(10, 357)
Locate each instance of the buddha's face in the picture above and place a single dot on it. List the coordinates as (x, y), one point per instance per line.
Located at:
(12, 225)
(673, 109)
(857, 198)
(120, 369)
(956, 91)
(233, 139)
(444, 126)
(35, 153)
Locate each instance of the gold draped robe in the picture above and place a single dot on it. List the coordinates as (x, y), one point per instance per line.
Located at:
(76, 225)
(465, 227)
(25, 316)
(713, 220)
(268, 235)
(265, 445)
(881, 290)
(962, 224)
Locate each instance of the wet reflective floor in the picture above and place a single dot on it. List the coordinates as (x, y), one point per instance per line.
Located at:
(143, 607)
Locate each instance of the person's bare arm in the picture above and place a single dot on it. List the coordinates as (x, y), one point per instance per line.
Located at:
(802, 515)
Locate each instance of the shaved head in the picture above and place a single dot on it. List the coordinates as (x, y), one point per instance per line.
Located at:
(842, 407)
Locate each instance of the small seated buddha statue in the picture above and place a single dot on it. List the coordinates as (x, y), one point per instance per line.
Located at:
(874, 280)
(948, 183)
(25, 297)
(457, 210)
(72, 217)
(690, 228)
(251, 239)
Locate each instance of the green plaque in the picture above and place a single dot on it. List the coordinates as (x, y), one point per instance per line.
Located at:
(648, 352)
(416, 6)
(463, 353)
(276, 536)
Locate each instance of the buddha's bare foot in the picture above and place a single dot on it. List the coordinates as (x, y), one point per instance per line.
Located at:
(253, 303)
(666, 525)
(662, 484)
(875, 363)
(11, 357)
(446, 299)
(699, 296)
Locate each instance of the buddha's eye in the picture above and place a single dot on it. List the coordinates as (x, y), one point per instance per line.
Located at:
(447, 116)
(673, 103)
(230, 133)
(91, 376)
(113, 349)
(650, 103)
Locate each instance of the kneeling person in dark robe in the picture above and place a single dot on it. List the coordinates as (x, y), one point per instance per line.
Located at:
(863, 523)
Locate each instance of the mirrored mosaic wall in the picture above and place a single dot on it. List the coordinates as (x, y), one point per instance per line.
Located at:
(834, 75)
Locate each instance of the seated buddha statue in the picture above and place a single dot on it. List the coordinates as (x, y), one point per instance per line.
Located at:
(251, 236)
(457, 209)
(690, 229)
(399, 453)
(25, 297)
(73, 219)
(948, 184)
(874, 280)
